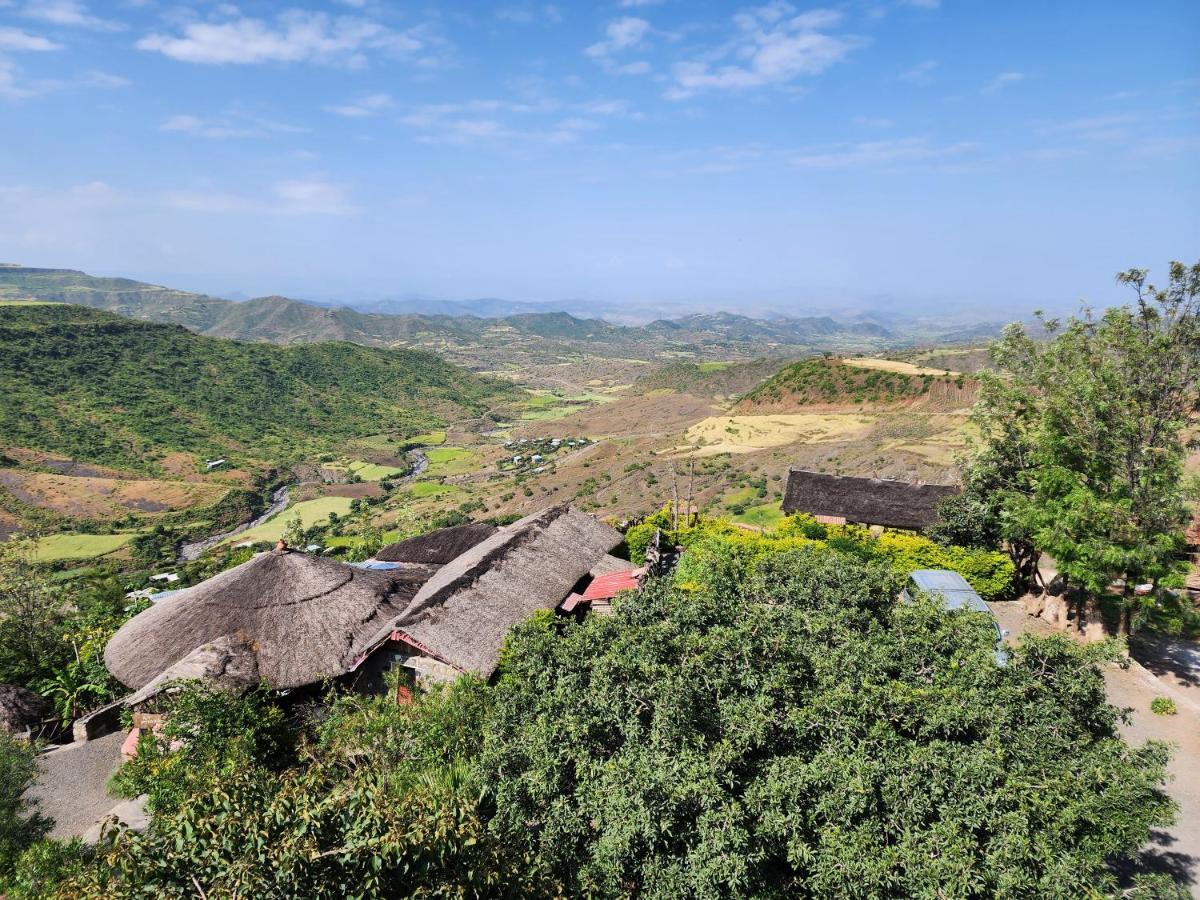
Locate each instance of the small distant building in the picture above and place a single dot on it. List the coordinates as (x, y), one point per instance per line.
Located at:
(537, 457)
(841, 499)
(165, 577)
(213, 463)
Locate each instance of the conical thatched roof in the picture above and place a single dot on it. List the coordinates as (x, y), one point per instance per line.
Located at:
(437, 548)
(304, 617)
(464, 612)
(21, 710)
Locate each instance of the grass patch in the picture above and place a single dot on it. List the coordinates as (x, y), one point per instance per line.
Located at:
(57, 547)
(310, 512)
(369, 471)
(450, 461)
(423, 490)
(428, 439)
(765, 515)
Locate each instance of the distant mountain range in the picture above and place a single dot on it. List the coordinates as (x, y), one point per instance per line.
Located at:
(283, 320)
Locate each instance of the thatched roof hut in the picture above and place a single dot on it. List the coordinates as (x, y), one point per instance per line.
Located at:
(463, 613)
(21, 710)
(868, 501)
(304, 618)
(228, 663)
(437, 548)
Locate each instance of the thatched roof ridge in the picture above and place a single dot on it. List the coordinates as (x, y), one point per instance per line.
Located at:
(229, 663)
(305, 617)
(873, 501)
(21, 710)
(464, 612)
(438, 547)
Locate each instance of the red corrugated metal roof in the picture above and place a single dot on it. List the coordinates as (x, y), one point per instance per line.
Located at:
(605, 587)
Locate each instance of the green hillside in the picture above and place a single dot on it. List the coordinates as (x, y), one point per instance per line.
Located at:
(711, 379)
(829, 381)
(102, 388)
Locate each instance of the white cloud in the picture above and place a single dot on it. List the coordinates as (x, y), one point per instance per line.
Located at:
(295, 36)
(530, 13)
(870, 153)
(299, 197)
(68, 12)
(507, 122)
(1003, 80)
(364, 107)
(14, 87)
(773, 46)
(921, 73)
(620, 34)
(16, 39)
(234, 126)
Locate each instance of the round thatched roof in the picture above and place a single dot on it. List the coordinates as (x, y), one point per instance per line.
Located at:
(437, 548)
(305, 618)
(21, 710)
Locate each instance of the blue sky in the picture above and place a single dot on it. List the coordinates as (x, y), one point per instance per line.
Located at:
(788, 156)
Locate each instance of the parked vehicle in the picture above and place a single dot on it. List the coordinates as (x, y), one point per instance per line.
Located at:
(953, 592)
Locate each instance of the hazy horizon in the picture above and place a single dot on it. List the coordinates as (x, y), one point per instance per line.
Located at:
(781, 158)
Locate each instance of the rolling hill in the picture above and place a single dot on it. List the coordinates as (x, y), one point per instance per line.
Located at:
(102, 388)
(835, 382)
(284, 320)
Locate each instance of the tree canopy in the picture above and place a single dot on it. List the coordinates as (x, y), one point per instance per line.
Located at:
(1084, 438)
(766, 722)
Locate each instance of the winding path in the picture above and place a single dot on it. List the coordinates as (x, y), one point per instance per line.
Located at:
(190, 551)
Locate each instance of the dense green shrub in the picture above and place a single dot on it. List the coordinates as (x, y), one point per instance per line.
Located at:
(773, 724)
(19, 825)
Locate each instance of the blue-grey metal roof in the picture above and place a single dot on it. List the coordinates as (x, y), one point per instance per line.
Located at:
(950, 587)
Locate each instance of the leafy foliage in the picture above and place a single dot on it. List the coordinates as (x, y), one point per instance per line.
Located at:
(830, 381)
(781, 727)
(1083, 438)
(383, 805)
(989, 572)
(101, 388)
(19, 826)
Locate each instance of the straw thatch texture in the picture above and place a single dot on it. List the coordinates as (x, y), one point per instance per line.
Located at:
(608, 564)
(464, 612)
(21, 710)
(869, 501)
(305, 618)
(437, 548)
(228, 663)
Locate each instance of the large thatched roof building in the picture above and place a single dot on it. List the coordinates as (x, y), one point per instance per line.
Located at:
(463, 613)
(437, 548)
(866, 501)
(305, 618)
(291, 619)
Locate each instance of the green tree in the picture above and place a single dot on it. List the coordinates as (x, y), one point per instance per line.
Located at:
(1084, 436)
(293, 532)
(781, 727)
(32, 617)
(19, 825)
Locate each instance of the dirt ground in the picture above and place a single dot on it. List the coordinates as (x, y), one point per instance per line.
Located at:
(1161, 667)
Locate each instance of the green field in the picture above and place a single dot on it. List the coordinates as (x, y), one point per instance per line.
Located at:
(765, 515)
(450, 461)
(310, 512)
(57, 547)
(368, 471)
(429, 438)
